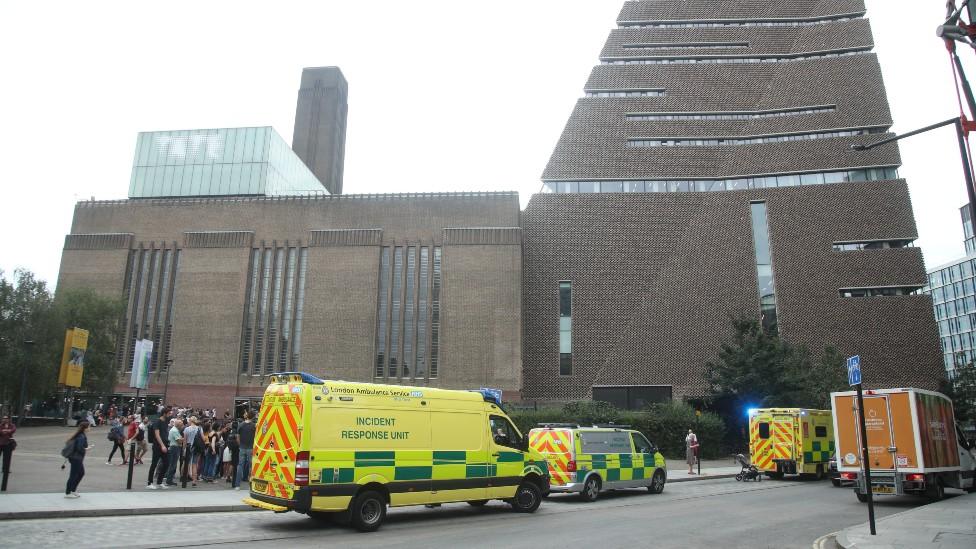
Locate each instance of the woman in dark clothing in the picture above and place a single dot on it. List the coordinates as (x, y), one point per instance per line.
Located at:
(7, 444)
(76, 459)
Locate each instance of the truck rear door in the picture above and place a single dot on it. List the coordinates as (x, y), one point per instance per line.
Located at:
(877, 420)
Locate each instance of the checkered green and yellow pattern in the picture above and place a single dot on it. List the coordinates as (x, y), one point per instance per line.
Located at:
(614, 467)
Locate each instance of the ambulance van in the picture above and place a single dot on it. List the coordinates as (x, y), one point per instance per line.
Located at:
(347, 451)
(588, 460)
(791, 441)
(914, 444)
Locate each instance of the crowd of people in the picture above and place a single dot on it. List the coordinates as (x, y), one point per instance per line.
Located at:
(197, 445)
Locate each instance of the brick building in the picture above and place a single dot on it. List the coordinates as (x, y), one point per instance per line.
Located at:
(707, 173)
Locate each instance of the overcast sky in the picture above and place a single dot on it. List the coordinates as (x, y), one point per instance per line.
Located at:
(443, 96)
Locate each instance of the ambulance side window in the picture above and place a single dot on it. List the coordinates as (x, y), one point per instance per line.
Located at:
(504, 433)
(764, 430)
(820, 431)
(641, 445)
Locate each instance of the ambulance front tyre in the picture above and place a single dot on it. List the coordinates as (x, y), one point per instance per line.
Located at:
(527, 498)
(657, 483)
(367, 511)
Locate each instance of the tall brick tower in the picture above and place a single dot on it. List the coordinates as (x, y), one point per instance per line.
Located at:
(320, 124)
(707, 173)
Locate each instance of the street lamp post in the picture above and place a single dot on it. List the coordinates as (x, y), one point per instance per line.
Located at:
(28, 346)
(169, 366)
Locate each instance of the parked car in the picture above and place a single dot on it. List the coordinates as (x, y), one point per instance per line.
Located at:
(834, 474)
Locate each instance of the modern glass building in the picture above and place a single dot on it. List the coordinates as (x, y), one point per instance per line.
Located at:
(953, 290)
(218, 162)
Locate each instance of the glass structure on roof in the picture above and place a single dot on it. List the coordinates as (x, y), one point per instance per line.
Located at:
(218, 162)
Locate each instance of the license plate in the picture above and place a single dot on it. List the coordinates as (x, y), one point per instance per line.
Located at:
(883, 490)
(259, 485)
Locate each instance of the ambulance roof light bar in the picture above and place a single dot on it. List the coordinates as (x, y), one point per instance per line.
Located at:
(282, 377)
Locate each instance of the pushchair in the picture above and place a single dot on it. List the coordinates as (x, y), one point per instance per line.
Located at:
(749, 471)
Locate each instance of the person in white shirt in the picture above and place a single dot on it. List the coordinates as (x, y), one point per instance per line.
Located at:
(691, 450)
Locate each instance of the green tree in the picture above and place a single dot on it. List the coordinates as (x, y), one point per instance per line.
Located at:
(28, 311)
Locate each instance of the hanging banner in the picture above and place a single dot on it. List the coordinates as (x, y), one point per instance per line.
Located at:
(140, 364)
(65, 357)
(76, 359)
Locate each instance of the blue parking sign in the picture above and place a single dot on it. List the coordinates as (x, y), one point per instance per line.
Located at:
(854, 370)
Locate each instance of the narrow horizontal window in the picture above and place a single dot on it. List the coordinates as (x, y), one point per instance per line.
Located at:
(686, 46)
(650, 142)
(716, 23)
(726, 59)
(873, 244)
(626, 93)
(883, 291)
(729, 115)
(713, 185)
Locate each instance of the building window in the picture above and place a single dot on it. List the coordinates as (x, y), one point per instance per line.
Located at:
(719, 23)
(411, 311)
(652, 142)
(384, 289)
(435, 314)
(726, 59)
(884, 291)
(728, 115)
(730, 184)
(565, 328)
(873, 245)
(685, 46)
(764, 268)
(273, 310)
(626, 93)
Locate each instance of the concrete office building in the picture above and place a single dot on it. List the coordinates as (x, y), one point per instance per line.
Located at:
(707, 173)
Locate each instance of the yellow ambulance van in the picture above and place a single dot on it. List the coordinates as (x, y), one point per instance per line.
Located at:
(587, 460)
(790, 441)
(349, 450)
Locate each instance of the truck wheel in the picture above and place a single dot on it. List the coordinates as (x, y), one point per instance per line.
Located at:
(367, 511)
(863, 498)
(591, 489)
(657, 482)
(527, 498)
(478, 503)
(935, 491)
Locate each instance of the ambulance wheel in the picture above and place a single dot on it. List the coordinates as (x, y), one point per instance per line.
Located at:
(657, 483)
(819, 475)
(935, 491)
(367, 511)
(478, 503)
(591, 489)
(775, 476)
(835, 481)
(863, 498)
(527, 498)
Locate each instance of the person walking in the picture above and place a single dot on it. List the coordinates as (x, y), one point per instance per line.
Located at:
(691, 450)
(79, 447)
(7, 444)
(116, 434)
(245, 437)
(175, 440)
(157, 435)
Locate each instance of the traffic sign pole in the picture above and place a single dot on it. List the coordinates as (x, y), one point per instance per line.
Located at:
(854, 378)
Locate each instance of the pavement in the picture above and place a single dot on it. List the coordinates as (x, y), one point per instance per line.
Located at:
(947, 524)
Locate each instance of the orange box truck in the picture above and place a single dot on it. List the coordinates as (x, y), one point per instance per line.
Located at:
(914, 445)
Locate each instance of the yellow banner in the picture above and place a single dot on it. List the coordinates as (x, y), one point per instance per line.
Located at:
(76, 362)
(65, 357)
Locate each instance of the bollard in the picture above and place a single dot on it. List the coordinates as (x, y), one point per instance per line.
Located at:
(132, 460)
(3, 486)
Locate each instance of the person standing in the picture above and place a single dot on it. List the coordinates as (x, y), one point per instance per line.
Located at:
(245, 437)
(157, 433)
(7, 443)
(691, 450)
(194, 442)
(76, 458)
(175, 440)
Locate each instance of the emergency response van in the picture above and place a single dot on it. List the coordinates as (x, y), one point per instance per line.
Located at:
(791, 441)
(348, 450)
(914, 444)
(587, 460)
